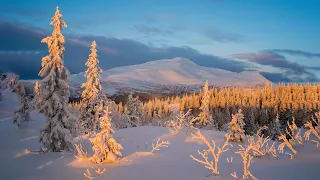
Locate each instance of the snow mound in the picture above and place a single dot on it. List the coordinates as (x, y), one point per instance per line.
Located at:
(138, 163)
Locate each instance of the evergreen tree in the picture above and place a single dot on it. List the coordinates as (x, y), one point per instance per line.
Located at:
(205, 115)
(134, 110)
(236, 131)
(90, 105)
(93, 73)
(105, 147)
(274, 129)
(54, 92)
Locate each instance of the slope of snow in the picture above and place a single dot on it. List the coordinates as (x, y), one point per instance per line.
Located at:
(169, 72)
(172, 163)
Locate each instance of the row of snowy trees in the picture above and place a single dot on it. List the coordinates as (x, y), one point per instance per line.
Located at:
(260, 106)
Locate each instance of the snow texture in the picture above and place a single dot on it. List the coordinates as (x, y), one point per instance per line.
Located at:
(137, 162)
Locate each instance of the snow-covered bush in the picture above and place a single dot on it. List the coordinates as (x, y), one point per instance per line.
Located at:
(22, 114)
(105, 147)
(315, 130)
(53, 92)
(294, 138)
(262, 144)
(236, 131)
(294, 133)
(247, 158)
(214, 150)
(181, 121)
(8, 81)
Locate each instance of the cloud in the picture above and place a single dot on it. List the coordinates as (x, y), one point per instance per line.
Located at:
(112, 52)
(296, 53)
(222, 36)
(22, 54)
(292, 70)
(23, 11)
(152, 31)
(159, 17)
(94, 21)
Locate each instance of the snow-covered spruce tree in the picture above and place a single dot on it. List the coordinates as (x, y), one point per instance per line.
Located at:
(53, 92)
(90, 105)
(134, 110)
(274, 129)
(205, 116)
(105, 147)
(236, 131)
(22, 114)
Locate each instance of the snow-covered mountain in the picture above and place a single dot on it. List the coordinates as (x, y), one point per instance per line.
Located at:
(168, 75)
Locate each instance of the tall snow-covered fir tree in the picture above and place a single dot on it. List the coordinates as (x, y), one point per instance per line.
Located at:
(105, 147)
(22, 114)
(90, 105)
(92, 87)
(53, 92)
(236, 127)
(205, 116)
(134, 110)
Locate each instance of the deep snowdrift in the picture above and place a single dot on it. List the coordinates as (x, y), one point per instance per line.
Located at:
(172, 163)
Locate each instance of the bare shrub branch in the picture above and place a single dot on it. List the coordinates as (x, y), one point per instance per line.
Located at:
(159, 145)
(213, 149)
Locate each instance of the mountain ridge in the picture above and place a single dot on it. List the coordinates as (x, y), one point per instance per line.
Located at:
(160, 75)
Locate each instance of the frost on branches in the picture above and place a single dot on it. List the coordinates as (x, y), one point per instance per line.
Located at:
(105, 147)
(315, 130)
(22, 114)
(236, 131)
(134, 110)
(213, 150)
(53, 92)
(205, 116)
(90, 105)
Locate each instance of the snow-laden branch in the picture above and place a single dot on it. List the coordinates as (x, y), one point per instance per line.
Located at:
(314, 130)
(213, 149)
(158, 145)
(99, 172)
(245, 153)
(81, 154)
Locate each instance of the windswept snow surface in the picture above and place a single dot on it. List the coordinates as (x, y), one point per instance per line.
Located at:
(170, 74)
(172, 163)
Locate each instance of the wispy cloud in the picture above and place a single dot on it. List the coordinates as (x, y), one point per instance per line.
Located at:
(292, 70)
(152, 31)
(85, 23)
(219, 35)
(296, 53)
(159, 17)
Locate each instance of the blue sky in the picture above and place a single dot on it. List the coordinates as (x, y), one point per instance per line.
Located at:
(233, 29)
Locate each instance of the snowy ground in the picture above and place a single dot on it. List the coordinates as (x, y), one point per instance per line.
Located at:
(172, 163)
